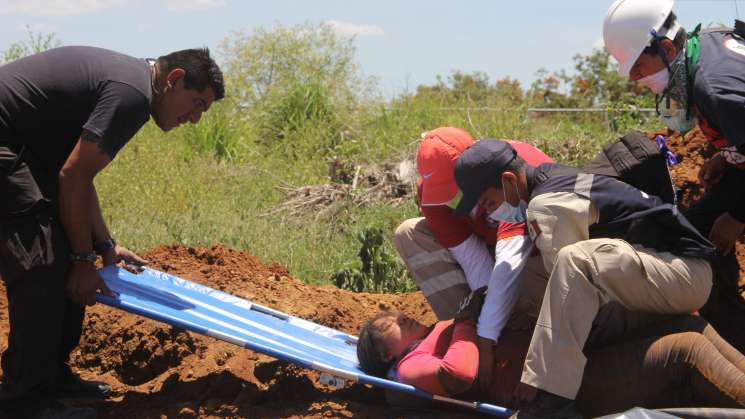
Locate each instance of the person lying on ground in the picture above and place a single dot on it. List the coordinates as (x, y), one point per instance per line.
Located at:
(676, 361)
(449, 256)
(697, 79)
(603, 241)
(64, 115)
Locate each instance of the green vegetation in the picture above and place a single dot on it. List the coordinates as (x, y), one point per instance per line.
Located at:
(378, 269)
(35, 42)
(298, 102)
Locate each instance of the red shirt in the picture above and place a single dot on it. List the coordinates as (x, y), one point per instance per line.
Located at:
(450, 354)
(450, 348)
(451, 230)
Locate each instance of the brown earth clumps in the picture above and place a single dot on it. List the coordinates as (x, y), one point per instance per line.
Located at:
(692, 151)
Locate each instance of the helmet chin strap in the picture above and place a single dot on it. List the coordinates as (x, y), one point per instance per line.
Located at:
(662, 52)
(656, 37)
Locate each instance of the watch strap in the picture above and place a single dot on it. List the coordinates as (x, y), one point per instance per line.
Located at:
(104, 247)
(89, 257)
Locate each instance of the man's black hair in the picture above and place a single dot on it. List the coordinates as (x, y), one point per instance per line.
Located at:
(680, 38)
(514, 166)
(201, 70)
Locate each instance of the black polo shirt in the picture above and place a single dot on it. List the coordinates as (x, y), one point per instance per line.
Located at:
(47, 99)
(719, 87)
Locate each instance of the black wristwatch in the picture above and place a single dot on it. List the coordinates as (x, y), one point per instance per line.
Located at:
(104, 247)
(89, 257)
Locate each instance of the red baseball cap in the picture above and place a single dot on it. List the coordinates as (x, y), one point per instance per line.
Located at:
(438, 152)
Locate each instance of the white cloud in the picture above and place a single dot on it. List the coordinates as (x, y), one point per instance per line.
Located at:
(347, 29)
(57, 7)
(194, 4)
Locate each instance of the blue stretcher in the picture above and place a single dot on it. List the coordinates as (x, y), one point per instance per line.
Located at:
(200, 309)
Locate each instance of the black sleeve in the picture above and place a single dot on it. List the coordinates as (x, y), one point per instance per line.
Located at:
(724, 102)
(120, 112)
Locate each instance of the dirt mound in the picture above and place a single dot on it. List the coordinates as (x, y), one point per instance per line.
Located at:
(691, 150)
(160, 371)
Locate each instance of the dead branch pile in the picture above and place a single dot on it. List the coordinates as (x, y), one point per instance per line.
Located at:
(389, 184)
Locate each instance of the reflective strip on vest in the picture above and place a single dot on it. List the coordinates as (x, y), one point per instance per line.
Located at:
(584, 184)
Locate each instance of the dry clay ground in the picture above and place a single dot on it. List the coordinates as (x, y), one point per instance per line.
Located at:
(159, 372)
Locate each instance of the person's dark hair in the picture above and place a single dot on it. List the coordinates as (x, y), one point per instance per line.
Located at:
(680, 38)
(201, 70)
(515, 166)
(371, 350)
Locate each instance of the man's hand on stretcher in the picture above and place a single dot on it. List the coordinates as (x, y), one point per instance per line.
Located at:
(84, 279)
(119, 254)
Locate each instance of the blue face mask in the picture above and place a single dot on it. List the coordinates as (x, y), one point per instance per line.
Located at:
(507, 213)
(675, 117)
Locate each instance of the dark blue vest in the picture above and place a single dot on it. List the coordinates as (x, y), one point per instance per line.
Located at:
(624, 211)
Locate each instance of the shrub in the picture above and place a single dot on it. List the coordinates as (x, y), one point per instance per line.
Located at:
(378, 270)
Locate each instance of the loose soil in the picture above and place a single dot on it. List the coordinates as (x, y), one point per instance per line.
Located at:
(158, 371)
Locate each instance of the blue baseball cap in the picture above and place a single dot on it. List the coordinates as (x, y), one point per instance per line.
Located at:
(476, 169)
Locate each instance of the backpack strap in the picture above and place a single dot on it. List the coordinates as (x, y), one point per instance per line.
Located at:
(549, 171)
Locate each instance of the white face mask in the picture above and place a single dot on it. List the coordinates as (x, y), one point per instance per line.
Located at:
(509, 214)
(656, 82)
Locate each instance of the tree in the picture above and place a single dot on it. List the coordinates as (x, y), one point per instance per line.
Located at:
(36, 42)
(594, 83)
(267, 60)
(296, 80)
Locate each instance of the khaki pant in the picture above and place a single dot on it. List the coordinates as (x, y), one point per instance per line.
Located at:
(590, 276)
(444, 284)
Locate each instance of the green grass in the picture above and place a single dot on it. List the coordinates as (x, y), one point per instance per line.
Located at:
(158, 192)
(212, 183)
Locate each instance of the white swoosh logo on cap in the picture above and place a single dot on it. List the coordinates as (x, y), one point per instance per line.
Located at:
(427, 175)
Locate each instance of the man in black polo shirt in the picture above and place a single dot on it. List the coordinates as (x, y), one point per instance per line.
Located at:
(64, 115)
(698, 77)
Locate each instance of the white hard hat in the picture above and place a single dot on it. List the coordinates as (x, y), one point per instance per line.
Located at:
(628, 26)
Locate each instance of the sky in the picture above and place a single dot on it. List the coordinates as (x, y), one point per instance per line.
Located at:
(403, 43)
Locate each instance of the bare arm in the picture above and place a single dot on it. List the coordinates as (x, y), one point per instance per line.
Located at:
(98, 224)
(77, 198)
(79, 209)
(78, 179)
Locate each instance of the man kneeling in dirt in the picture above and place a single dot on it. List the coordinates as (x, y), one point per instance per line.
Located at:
(64, 115)
(697, 77)
(618, 258)
(449, 255)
